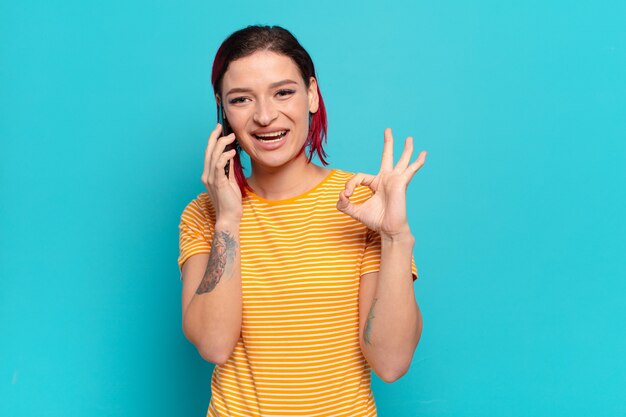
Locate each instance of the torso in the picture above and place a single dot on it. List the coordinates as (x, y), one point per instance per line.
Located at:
(301, 262)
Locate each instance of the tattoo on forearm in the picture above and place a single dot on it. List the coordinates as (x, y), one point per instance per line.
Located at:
(221, 258)
(368, 324)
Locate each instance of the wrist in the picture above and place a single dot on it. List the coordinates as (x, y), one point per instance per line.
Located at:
(227, 224)
(405, 237)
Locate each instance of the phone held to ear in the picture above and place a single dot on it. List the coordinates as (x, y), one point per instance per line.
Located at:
(226, 130)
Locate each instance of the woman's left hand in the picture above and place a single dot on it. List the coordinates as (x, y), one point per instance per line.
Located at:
(385, 211)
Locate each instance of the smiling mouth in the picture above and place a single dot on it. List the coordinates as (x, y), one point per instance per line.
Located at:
(271, 137)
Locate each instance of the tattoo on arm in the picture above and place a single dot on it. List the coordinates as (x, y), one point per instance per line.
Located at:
(222, 254)
(368, 324)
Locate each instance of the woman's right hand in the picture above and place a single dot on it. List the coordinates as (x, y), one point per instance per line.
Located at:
(223, 191)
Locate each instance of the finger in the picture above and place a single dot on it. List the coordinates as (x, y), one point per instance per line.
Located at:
(417, 164)
(213, 173)
(218, 150)
(224, 159)
(217, 170)
(356, 180)
(387, 161)
(345, 206)
(209, 148)
(215, 134)
(405, 158)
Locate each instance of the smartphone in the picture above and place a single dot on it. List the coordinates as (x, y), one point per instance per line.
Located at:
(226, 130)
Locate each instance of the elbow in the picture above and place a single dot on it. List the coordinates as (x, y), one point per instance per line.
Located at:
(215, 356)
(393, 374)
(215, 350)
(390, 370)
(396, 368)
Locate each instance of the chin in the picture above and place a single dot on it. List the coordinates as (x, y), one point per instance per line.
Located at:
(277, 161)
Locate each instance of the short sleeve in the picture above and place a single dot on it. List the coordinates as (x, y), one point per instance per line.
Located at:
(196, 231)
(371, 256)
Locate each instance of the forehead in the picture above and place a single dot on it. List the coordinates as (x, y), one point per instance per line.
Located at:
(259, 69)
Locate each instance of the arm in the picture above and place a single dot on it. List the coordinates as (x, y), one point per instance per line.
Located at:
(211, 299)
(390, 323)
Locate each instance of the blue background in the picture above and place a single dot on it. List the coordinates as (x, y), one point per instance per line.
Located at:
(518, 214)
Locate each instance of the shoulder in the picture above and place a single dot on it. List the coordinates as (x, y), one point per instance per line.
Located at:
(341, 174)
(199, 211)
(360, 194)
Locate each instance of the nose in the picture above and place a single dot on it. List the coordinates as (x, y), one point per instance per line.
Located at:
(265, 112)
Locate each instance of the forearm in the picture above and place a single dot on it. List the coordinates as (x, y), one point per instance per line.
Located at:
(212, 321)
(394, 322)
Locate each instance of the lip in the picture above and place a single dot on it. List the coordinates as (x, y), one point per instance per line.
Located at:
(268, 130)
(270, 146)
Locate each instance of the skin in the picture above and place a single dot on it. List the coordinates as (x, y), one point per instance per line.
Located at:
(266, 91)
(276, 174)
(367, 332)
(390, 320)
(223, 250)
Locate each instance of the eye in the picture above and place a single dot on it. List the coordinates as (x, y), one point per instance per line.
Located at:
(237, 100)
(285, 92)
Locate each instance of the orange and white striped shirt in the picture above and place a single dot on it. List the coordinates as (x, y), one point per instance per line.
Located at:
(301, 263)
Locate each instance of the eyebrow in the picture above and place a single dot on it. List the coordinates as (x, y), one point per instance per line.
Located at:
(273, 85)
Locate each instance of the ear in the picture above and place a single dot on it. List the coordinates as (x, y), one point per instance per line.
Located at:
(314, 99)
(219, 104)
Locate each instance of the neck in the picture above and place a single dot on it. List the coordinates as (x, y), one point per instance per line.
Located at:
(288, 181)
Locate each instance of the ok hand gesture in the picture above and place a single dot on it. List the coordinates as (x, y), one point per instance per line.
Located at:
(385, 211)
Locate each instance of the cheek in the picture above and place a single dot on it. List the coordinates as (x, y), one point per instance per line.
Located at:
(237, 120)
(299, 109)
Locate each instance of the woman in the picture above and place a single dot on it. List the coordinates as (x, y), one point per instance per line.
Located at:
(298, 279)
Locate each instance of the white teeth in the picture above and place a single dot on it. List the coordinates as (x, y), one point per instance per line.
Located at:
(269, 135)
(272, 140)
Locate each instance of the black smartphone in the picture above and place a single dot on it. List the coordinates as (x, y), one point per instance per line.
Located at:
(226, 130)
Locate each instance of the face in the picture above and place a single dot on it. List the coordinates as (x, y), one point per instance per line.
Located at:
(267, 105)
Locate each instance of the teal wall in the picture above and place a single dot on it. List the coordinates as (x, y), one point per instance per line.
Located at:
(518, 213)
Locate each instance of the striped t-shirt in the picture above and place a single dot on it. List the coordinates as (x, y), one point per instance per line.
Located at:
(301, 262)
